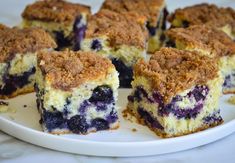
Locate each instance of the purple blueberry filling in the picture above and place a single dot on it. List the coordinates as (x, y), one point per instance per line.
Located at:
(102, 94)
(13, 82)
(101, 97)
(229, 81)
(198, 94)
(77, 124)
(170, 43)
(185, 24)
(161, 21)
(61, 40)
(125, 73)
(79, 30)
(214, 118)
(96, 45)
(149, 119)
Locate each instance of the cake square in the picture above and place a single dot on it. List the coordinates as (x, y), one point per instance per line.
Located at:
(117, 37)
(76, 92)
(65, 21)
(18, 49)
(209, 42)
(155, 12)
(207, 14)
(176, 93)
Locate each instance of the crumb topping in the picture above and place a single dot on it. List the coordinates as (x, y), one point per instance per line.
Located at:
(54, 10)
(67, 69)
(2, 26)
(14, 40)
(171, 71)
(150, 8)
(204, 13)
(203, 37)
(118, 27)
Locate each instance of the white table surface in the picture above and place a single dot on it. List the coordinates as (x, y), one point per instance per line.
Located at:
(16, 151)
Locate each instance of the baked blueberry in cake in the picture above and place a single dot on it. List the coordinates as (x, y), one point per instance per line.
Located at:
(65, 21)
(209, 42)
(117, 37)
(207, 14)
(155, 12)
(176, 93)
(76, 92)
(18, 49)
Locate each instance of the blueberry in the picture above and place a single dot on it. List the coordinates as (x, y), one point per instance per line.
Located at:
(100, 124)
(125, 73)
(130, 98)
(79, 30)
(170, 43)
(53, 120)
(185, 24)
(198, 92)
(96, 45)
(84, 105)
(61, 40)
(149, 119)
(113, 116)
(12, 82)
(77, 124)
(158, 99)
(102, 94)
(228, 81)
(151, 29)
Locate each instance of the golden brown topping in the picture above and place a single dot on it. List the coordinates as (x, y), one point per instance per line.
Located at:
(54, 10)
(2, 27)
(67, 69)
(14, 40)
(203, 37)
(119, 28)
(208, 14)
(149, 8)
(171, 71)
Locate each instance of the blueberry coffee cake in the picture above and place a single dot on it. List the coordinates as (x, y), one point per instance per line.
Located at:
(209, 14)
(118, 37)
(176, 92)
(65, 21)
(18, 48)
(155, 12)
(209, 42)
(76, 92)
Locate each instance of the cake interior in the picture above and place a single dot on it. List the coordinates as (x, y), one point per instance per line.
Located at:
(123, 57)
(65, 35)
(156, 33)
(17, 75)
(88, 108)
(226, 63)
(189, 111)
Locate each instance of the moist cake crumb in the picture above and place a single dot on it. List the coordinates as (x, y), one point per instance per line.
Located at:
(14, 40)
(171, 71)
(69, 69)
(54, 10)
(204, 37)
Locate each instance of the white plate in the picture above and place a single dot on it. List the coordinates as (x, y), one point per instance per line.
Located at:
(23, 124)
(122, 142)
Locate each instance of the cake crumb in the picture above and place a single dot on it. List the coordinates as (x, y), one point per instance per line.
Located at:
(4, 107)
(231, 100)
(134, 130)
(24, 106)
